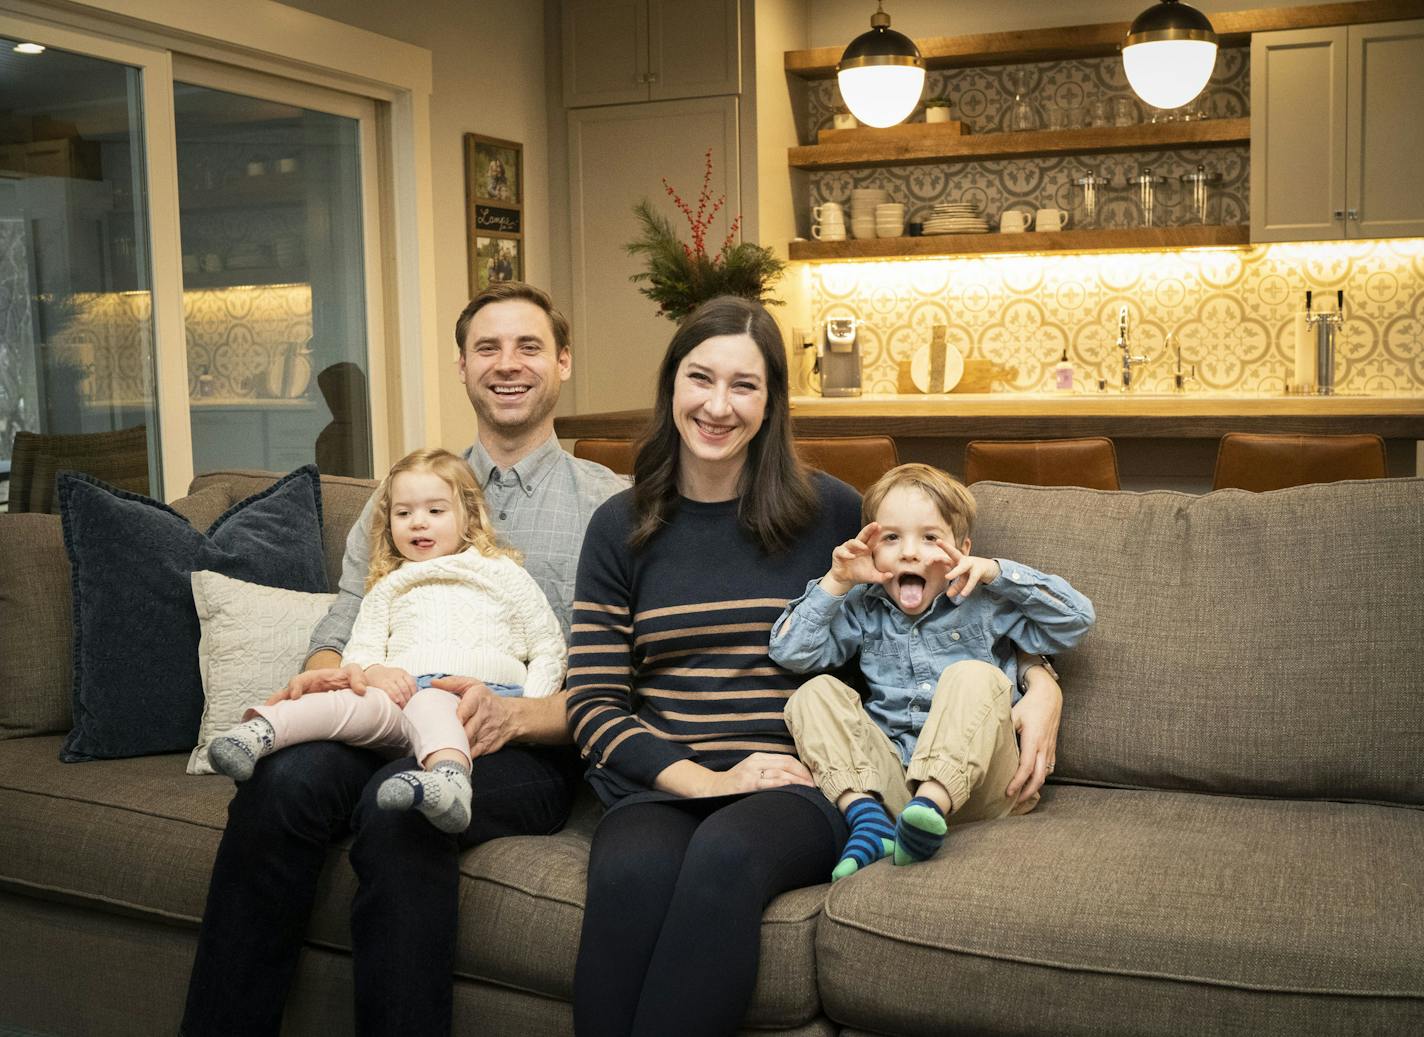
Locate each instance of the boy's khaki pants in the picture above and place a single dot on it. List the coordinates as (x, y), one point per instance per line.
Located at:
(967, 744)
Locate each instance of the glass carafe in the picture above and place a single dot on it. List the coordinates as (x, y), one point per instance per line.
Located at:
(1202, 192)
(1023, 113)
(1147, 191)
(1088, 198)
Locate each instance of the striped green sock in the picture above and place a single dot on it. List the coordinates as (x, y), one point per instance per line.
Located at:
(920, 831)
(872, 836)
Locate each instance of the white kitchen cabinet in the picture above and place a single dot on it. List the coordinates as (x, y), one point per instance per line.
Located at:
(618, 156)
(1336, 145)
(622, 51)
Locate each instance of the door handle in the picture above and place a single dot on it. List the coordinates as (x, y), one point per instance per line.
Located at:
(1352, 214)
(1337, 214)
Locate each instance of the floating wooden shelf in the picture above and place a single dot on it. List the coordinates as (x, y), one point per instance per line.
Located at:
(939, 245)
(1101, 40)
(882, 151)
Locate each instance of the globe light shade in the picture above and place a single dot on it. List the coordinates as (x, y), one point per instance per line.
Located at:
(881, 74)
(1169, 54)
(881, 95)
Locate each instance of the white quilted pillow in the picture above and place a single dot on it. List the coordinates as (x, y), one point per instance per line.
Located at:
(253, 639)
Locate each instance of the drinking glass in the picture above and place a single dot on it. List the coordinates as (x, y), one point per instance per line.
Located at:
(1124, 111)
(1023, 113)
(1100, 112)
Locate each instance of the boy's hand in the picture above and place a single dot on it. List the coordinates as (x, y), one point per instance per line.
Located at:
(851, 563)
(394, 681)
(965, 572)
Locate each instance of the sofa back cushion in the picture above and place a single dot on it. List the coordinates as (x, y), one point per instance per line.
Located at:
(1262, 644)
(36, 610)
(342, 499)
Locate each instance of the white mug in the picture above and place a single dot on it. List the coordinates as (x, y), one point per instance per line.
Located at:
(828, 232)
(1051, 219)
(1015, 221)
(828, 210)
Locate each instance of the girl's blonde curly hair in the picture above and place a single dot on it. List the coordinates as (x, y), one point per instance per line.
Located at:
(471, 514)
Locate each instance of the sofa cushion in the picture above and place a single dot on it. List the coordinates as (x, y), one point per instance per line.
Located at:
(342, 499)
(136, 683)
(1242, 915)
(1258, 643)
(36, 627)
(136, 835)
(253, 639)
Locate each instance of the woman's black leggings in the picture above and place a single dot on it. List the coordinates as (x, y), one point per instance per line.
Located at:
(676, 891)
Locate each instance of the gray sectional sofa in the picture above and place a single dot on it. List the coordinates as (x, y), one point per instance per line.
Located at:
(1232, 842)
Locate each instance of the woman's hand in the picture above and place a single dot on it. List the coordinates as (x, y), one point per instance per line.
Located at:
(394, 681)
(762, 771)
(331, 678)
(853, 563)
(1036, 717)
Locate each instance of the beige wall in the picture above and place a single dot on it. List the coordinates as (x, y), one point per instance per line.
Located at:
(833, 23)
(488, 62)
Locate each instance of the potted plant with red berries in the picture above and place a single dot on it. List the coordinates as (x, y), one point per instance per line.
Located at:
(681, 276)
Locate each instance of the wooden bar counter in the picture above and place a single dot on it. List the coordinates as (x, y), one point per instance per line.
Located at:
(1163, 442)
(1035, 416)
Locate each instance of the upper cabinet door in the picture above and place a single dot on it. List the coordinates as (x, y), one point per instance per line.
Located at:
(605, 45)
(693, 48)
(1386, 144)
(1298, 106)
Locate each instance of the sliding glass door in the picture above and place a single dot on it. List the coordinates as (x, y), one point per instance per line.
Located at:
(274, 295)
(76, 299)
(188, 250)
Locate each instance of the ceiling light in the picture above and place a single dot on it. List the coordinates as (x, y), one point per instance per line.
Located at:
(1169, 54)
(29, 48)
(881, 74)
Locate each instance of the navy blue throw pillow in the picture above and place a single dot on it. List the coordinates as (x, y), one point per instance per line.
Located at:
(136, 684)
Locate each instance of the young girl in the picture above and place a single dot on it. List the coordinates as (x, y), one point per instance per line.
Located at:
(441, 598)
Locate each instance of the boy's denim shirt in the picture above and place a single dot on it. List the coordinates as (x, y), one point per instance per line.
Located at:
(903, 656)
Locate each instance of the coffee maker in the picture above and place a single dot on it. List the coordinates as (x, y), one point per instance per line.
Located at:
(838, 358)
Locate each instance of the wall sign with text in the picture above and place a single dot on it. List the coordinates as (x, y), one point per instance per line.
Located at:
(494, 210)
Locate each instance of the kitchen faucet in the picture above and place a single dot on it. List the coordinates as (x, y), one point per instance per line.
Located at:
(1122, 343)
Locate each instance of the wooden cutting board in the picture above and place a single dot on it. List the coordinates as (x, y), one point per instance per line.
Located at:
(979, 376)
(905, 131)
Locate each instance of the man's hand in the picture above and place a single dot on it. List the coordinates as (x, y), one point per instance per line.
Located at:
(327, 678)
(394, 681)
(1036, 717)
(965, 572)
(488, 719)
(852, 563)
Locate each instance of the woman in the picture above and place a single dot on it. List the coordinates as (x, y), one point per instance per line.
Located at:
(679, 580)
(675, 703)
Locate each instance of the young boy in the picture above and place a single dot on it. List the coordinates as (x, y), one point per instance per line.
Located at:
(937, 630)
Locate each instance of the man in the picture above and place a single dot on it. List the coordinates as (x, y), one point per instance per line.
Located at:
(514, 357)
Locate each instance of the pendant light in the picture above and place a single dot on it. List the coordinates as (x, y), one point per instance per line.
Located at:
(881, 74)
(1169, 54)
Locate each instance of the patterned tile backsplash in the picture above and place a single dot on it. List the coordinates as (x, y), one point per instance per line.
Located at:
(1232, 311)
(234, 334)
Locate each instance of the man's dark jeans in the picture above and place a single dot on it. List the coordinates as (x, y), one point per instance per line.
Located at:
(281, 824)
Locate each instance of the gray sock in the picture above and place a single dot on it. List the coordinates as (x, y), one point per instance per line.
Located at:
(443, 795)
(236, 751)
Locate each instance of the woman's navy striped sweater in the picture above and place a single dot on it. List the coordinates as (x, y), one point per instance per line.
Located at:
(668, 656)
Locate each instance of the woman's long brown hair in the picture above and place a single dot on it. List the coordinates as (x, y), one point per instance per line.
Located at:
(777, 500)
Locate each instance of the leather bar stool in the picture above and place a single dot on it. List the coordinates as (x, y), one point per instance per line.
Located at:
(857, 460)
(1090, 462)
(1250, 461)
(614, 454)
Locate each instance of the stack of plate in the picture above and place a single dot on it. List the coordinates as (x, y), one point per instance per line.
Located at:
(956, 218)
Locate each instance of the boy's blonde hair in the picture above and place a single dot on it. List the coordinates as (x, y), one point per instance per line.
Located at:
(950, 496)
(471, 515)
